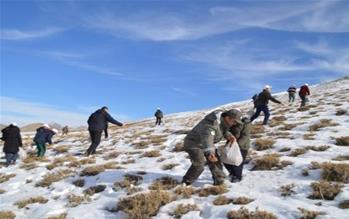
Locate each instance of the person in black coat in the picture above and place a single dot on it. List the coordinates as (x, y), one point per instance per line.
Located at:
(43, 135)
(11, 135)
(159, 115)
(262, 102)
(97, 123)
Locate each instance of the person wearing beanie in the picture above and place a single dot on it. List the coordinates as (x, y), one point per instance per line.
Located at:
(200, 145)
(43, 135)
(242, 133)
(304, 93)
(11, 135)
(97, 123)
(158, 115)
(262, 102)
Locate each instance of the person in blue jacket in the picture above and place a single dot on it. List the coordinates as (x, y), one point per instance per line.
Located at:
(43, 135)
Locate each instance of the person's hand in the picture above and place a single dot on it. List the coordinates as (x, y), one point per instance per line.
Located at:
(212, 158)
(231, 139)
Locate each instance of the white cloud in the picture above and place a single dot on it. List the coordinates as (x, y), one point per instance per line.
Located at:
(184, 91)
(24, 112)
(322, 16)
(16, 34)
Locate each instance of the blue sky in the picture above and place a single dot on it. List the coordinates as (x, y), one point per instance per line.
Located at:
(60, 61)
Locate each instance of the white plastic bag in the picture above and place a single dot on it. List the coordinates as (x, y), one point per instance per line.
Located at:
(22, 154)
(230, 154)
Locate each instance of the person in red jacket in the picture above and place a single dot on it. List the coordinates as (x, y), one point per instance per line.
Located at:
(304, 92)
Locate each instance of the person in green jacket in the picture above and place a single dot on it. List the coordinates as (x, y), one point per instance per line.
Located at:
(242, 133)
(200, 145)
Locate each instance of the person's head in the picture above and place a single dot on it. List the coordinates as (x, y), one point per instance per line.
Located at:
(232, 117)
(267, 87)
(105, 108)
(46, 126)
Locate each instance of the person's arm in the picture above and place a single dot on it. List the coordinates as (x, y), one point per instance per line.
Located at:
(308, 90)
(106, 131)
(112, 120)
(49, 138)
(207, 139)
(270, 97)
(20, 139)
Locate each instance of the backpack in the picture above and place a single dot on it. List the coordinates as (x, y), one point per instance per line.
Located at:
(255, 98)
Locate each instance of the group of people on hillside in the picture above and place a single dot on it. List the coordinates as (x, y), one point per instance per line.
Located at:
(199, 143)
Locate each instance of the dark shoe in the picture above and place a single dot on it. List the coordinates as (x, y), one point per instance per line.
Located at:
(218, 182)
(235, 180)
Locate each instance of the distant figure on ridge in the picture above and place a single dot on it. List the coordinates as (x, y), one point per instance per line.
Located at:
(159, 115)
(262, 102)
(97, 123)
(12, 137)
(65, 130)
(43, 135)
(292, 94)
(304, 92)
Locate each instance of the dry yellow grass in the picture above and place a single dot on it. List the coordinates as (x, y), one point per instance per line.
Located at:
(60, 216)
(322, 124)
(212, 190)
(152, 153)
(264, 144)
(183, 209)
(144, 205)
(222, 200)
(338, 172)
(38, 199)
(164, 183)
(76, 200)
(342, 141)
(184, 191)
(94, 189)
(6, 177)
(325, 190)
(61, 149)
(267, 162)
(344, 204)
(298, 151)
(308, 214)
(244, 213)
(7, 215)
(169, 166)
(287, 190)
(50, 178)
(242, 200)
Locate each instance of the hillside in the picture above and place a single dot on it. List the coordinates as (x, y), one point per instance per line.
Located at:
(299, 168)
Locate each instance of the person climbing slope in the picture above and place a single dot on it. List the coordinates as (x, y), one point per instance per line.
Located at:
(262, 102)
(97, 123)
(11, 135)
(43, 135)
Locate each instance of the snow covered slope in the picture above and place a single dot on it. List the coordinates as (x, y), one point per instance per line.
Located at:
(59, 184)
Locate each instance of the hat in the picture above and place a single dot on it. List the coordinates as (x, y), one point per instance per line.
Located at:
(105, 108)
(267, 87)
(158, 108)
(55, 131)
(46, 126)
(306, 84)
(235, 114)
(14, 124)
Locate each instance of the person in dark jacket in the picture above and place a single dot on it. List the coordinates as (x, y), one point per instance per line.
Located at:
(304, 92)
(11, 135)
(292, 94)
(242, 133)
(200, 145)
(97, 123)
(43, 135)
(262, 104)
(159, 115)
(65, 130)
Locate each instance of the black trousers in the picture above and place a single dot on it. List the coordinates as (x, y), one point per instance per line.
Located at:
(95, 141)
(158, 121)
(236, 171)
